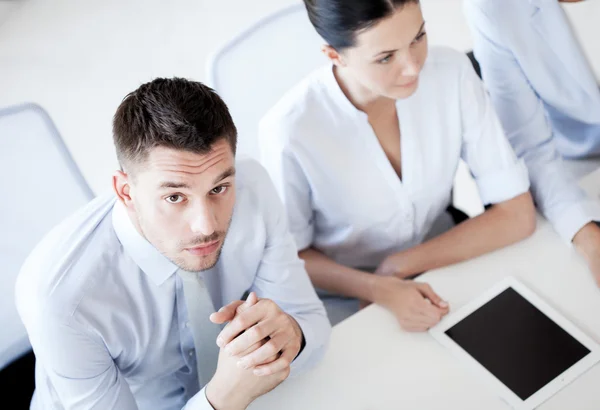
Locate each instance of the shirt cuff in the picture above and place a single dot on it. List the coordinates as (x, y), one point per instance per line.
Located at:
(303, 360)
(199, 402)
(303, 238)
(575, 217)
(504, 184)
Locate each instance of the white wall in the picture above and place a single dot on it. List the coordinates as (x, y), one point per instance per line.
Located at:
(78, 58)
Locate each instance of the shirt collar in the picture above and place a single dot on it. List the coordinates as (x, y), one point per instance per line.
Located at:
(143, 253)
(335, 91)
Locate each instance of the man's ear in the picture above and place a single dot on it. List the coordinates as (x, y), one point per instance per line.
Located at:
(122, 187)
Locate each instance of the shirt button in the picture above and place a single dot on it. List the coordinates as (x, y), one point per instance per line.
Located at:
(187, 324)
(191, 353)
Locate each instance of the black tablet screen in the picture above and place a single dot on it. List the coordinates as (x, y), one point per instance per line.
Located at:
(517, 343)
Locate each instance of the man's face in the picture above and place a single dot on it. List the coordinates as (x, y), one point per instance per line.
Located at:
(182, 203)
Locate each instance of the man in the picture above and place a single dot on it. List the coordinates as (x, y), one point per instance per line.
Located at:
(117, 299)
(549, 103)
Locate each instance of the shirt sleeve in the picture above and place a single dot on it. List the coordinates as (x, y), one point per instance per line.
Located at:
(498, 173)
(82, 372)
(199, 402)
(281, 277)
(522, 114)
(290, 182)
(80, 368)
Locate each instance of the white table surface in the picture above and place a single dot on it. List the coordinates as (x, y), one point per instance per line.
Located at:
(372, 364)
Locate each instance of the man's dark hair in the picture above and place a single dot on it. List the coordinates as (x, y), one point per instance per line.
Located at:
(173, 113)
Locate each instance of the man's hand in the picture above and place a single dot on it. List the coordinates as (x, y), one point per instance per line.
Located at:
(587, 242)
(260, 331)
(232, 388)
(228, 312)
(416, 306)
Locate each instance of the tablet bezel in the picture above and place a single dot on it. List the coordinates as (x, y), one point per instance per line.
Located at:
(438, 332)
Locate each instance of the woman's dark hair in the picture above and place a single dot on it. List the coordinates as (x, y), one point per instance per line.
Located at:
(338, 21)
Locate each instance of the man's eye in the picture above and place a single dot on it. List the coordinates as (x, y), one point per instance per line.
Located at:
(420, 37)
(174, 199)
(219, 190)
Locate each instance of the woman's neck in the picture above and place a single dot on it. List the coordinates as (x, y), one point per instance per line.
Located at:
(362, 98)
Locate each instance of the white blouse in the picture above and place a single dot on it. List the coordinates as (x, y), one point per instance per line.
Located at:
(341, 193)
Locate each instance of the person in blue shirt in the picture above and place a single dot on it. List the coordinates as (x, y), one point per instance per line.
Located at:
(119, 300)
(548, 101)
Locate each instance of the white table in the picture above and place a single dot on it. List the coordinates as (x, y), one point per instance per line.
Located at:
(372, 364)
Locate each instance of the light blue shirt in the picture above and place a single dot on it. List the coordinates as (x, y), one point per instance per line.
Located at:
(105, 311)
(546, 97)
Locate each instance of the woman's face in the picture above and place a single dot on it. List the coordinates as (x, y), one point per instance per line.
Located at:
(389, 56)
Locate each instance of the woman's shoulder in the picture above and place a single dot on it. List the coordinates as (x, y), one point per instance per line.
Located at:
(299, 107)
(445, 75)
(447, 59)
(447, 68)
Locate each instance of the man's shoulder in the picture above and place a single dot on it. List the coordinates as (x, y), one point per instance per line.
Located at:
(250, 172)
(256, 194)
(498, 11)
(254, 182)
(62, 267)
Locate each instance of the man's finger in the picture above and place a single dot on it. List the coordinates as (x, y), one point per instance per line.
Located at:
(250, 301)
(274, 346)
(258, 332)
(229, 312)
(283, 362)
(226, 313)
(254, 347)
(428, 292)
(241, 322)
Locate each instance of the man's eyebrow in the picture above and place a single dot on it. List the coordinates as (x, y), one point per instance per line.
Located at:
(175, 185)
(225, 174)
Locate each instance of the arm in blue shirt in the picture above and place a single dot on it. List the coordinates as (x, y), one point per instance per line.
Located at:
(79, 366)
(282, 278)
(81, 369)
(523, 116)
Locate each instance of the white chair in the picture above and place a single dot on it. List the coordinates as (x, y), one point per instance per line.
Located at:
(253, 71)
(41, 185)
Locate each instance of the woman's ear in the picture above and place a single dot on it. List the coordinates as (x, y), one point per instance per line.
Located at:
(333, 55)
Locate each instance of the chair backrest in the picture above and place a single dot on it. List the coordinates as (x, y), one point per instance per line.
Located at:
(41, 186)
(253, 71)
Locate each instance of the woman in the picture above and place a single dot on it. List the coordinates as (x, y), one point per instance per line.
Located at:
(364, 154)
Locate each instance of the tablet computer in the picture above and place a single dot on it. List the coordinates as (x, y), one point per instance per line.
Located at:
(517, 344)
